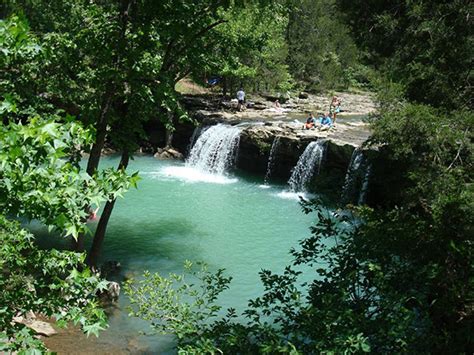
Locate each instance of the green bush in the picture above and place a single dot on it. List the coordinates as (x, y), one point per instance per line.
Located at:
(51, 283)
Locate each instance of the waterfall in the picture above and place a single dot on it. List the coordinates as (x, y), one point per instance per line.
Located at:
(271, 158)
(308, 163)
(365, 186)
(357, 179)
(350, 182)
(215, 150)
(197, 131)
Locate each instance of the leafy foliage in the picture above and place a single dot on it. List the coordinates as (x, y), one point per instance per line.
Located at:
(426, 46)
(46, 282)
(40, 175)
(40, 178)
(174, 313)
(321, 51)
(252, 48)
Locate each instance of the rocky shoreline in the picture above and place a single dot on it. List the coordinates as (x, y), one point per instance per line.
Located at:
(287, 120)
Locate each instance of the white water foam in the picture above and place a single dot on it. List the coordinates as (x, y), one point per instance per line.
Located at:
(351, 175)
(365, 185)
(289, 195)
(191, 175)
(357, 179)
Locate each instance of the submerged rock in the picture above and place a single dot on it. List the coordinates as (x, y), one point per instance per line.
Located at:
(112, 293)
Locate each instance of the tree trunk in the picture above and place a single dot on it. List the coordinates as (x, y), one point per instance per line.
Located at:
(94, 157)
(78, 245)
(169, 138)
(101, 132)
(101, 126)
(99, 235)
(170, 131)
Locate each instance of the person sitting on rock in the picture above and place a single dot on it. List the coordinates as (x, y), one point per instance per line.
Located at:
(326, 122)
(310, 122)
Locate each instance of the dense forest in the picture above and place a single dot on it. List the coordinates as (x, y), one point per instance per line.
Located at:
(77, 76)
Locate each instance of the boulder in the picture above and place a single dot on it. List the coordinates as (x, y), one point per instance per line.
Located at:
(38, 326)
(113, 290)
(168, 153)
(112, 293)
(258, 105)
(41, 328)
(303, 95)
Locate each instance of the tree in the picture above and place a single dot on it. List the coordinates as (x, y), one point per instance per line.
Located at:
(251, 48)
(44, 153)
(408, 41)
(40, 178)
(321, 50)
(115, 65)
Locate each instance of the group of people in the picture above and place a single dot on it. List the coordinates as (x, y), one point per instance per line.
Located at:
(327, 120)
(323, 122)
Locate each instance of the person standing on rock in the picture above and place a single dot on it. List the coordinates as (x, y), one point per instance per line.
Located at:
(240, 99)
(335, 107)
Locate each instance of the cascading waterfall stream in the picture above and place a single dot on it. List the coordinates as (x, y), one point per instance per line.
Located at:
(215, 150)
(196, 133)
(308, 164)
(349, 188)
(357, 179)
(365, 186)
(271, 159)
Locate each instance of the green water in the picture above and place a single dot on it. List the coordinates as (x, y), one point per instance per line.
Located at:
(232, 223)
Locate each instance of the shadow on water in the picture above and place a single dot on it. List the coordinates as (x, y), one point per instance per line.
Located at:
(162, 238)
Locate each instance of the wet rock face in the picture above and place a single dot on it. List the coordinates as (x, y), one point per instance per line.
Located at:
(286, 156)
(256, 143)
(254, 149)
(330, 180)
